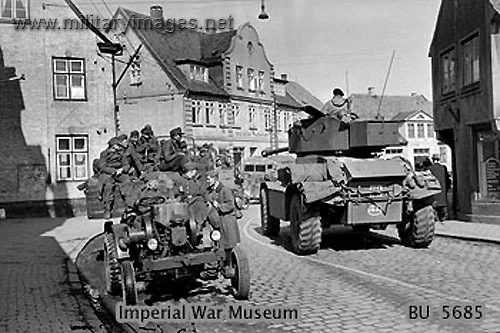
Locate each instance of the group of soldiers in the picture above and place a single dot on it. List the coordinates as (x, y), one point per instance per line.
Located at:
(139, 165)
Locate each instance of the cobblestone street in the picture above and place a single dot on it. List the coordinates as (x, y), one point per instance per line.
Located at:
(40, 289)
(357, 283)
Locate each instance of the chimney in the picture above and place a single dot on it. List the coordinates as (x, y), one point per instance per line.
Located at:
(284, 77)
(156, 13)
(371, 91)
(413, 94)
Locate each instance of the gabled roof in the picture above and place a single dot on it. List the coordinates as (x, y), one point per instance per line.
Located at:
(296, 96)
(182, 45)
(366, 106)
(495, 4)
(405, 115)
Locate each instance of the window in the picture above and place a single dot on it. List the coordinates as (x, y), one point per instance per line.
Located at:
(267, 119)
(251, 118)
(261, 82)
(430, 130)
(470, 50)
(239, 77)
(443, 154)
(233, 115)
(14, 9)
(421, 130)
(72, 157)
(135, 73)
(209, 113)
(69, 79)
(198, 73)
(249, 167)
(222, 115)
(252, 83)
(448, 60)
(286, 121)
(394, 151)
(196, 112)
(411, 130)
(421, 151)
(278, 120)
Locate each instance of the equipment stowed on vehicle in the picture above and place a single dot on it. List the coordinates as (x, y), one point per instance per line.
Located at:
(335, 180)
(158, 238)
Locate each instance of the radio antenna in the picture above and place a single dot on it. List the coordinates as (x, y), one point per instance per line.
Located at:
(379, 116)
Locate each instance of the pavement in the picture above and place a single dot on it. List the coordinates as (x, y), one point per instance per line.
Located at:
(40, 289)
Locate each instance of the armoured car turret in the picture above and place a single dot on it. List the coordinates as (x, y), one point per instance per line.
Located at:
(336, 179)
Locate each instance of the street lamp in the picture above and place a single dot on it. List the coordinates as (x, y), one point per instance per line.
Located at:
(263, 15)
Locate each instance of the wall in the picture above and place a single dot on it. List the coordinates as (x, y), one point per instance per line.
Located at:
(31, 117)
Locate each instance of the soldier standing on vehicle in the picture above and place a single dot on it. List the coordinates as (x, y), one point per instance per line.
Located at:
(149, 149)
(173, 157)
(441, 173)
(339, 107)
(222, 204)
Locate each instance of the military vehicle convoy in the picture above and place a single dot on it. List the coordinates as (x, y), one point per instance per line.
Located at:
(335, 180)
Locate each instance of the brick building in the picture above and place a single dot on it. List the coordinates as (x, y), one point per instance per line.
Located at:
(465, 74)
(56, 120)
(218, 86)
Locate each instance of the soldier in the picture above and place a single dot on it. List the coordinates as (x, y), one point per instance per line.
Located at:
(130, 152)
(149, 149)
(339, 107)
(222, 204)
(173, 156)
(114, 166)
(441, 173)
(195, 191)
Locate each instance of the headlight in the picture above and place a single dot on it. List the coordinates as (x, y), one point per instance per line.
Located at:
(215, 235)
(152, 244)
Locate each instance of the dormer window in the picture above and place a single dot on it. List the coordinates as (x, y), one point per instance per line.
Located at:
(198, 73)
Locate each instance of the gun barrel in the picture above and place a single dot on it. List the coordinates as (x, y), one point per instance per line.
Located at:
(266, 153)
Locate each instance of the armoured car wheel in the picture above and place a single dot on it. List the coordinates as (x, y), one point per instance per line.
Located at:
(241, 280)
(128, 285)
(305, 230)
(111, 266)
(418, 231)
(270, 224)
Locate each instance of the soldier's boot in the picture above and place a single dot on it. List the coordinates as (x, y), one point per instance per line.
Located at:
(210, 272)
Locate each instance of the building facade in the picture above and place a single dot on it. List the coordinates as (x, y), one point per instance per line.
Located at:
(220, 87)
(465, 57)
(417, 128)
(55, 109)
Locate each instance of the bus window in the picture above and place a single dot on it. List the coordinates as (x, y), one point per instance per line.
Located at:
(260, 168)
(269, 166)
(249, 167)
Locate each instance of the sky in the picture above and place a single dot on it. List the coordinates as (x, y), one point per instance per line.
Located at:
(323, 44)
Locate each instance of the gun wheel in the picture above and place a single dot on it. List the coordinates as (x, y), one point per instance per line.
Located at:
(270, 225)
(305, 230)
(418, 231)
(129, 284)
(112, 274)
(241, 280)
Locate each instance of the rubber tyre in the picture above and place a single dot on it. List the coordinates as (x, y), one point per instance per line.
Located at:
(241, 281)
(270, 225)
(418, 232)
(112, 270)
(305, 230)
(128, 285)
